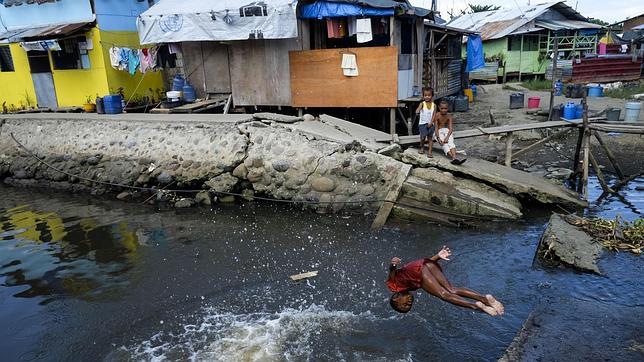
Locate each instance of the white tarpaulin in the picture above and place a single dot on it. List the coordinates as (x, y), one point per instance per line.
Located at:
(172, 21)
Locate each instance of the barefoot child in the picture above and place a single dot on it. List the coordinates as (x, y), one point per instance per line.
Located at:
(443, 122)
(426, 111)
(427, 274)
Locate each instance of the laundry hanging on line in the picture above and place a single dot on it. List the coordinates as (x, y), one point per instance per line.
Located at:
(130, 60)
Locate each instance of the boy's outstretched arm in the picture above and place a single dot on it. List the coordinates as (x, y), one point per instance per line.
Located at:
(393, 267)
(444, 254)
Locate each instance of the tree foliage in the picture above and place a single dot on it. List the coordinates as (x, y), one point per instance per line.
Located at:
(598, 22)
(474, 8)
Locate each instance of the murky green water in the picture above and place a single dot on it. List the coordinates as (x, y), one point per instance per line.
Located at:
(89, 279)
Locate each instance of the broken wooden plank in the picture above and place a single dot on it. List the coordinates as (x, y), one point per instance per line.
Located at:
(306, 275)
(391, 198)
(193, 107)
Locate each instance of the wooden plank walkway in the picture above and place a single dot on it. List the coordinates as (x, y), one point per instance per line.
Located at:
(478, 131)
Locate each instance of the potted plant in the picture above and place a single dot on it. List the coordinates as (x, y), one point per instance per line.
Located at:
(89, 106)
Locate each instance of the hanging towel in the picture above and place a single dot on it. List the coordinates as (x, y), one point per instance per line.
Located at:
(349, 65)
(152, 57)
(363, 29)
(124, 56)
(145, 66)
(133, 61)
(332, 28)
(114, 57)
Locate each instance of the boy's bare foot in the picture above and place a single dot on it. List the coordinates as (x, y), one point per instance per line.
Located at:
(420, 152)
(492, 302)
(430, 155)
(489, 310)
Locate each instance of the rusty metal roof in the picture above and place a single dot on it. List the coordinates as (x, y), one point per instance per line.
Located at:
(496, 24)
(43, 32)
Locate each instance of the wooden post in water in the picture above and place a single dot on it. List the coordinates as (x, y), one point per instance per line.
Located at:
(555, 51)
(610, 155)
(600, 174)
(586, 134)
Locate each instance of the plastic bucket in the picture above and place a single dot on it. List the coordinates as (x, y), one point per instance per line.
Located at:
(632, 111)
(595, 91)
(470, 95)
(473, 86)
(533, 102)
(612, 114)
(516, 100)
(579, 111)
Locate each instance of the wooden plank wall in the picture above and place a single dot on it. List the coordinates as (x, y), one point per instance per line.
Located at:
(206, 67)
(317, 79)
(259, 71)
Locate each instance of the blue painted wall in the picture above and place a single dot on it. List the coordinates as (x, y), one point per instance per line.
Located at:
(60, 12)
(119, 15)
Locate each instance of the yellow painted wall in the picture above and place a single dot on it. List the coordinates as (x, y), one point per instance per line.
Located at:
(74, 85)
(118, 78)
(17, 86)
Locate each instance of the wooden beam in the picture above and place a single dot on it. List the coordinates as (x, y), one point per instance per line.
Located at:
(611, 156)
(554, 77)
(534, 145)
(391, 198)
(600, 175)
(586, 148)
(392, 122)
(508, 148)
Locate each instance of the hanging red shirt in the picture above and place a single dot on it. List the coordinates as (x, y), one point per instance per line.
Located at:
(409, 277)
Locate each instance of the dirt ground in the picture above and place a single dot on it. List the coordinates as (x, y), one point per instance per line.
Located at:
(493, 98)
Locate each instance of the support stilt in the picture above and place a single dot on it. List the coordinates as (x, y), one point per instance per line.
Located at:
(508, 148)
(610, 155)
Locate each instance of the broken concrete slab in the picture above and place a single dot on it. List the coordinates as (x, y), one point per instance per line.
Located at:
(281, 118)
(570, 245)
(459, 196)
(514, 182)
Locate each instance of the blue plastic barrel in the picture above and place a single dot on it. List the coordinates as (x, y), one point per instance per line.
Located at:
(558, 88)
(579, 111)
(178, 82)
(569, 110)
(112, 104)
(597, 91)
(189, 94)
(473, 87)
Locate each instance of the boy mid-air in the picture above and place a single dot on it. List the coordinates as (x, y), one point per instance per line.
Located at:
(428, 275)
(444, 125)
(426, 111)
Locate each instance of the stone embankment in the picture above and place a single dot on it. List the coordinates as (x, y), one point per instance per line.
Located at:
(236, 154)
(324, 163)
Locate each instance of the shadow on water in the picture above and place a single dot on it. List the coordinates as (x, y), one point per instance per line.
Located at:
(90, 278)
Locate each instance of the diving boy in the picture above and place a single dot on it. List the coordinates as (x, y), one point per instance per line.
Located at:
(444, 124)
(426, 111)
(427, 274)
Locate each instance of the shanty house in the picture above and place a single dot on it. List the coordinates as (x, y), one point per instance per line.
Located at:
(520, 40)
(306, 54)
(55, 53)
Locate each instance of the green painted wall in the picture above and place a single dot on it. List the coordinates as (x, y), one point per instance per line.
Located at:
(527, 60)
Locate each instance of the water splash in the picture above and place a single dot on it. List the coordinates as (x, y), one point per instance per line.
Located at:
(287, 335)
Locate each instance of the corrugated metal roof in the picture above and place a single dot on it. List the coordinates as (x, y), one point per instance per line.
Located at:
(496, 24)
(565, 24)
(42, 32)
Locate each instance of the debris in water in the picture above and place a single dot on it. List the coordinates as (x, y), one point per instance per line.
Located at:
(613, 234)
(306, 275)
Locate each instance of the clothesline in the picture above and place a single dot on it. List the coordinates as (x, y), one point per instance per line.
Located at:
(142, 59)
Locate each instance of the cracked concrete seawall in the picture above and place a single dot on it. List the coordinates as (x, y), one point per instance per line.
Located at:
(220, 153)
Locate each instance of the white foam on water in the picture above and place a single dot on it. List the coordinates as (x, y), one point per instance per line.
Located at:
(286, 335)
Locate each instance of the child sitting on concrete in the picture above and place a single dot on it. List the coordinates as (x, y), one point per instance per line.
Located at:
(443, 121)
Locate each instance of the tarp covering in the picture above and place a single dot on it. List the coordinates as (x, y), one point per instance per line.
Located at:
(399, 6)
(172, 21)
(475, 55)
(325, 9)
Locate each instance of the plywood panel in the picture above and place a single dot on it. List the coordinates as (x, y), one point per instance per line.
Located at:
(206, 67)
(259, 71)
(317, 79)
